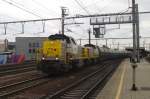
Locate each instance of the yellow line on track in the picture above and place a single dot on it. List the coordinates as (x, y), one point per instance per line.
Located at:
(118, 94)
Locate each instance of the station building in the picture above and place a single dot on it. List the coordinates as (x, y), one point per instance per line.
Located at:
(28, 46)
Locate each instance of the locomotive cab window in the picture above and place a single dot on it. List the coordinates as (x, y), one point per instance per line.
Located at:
(68, 41)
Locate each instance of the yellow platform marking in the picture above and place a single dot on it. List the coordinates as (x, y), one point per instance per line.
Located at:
(121, 83)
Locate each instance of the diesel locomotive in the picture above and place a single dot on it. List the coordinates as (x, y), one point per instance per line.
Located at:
(60, 53)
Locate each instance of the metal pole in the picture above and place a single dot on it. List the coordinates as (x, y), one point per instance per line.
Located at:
(134, 88)
(118, 46)
(43, 23)
(6, 45)
(135, 44)
(62, 19)
(5, 28)
(89, 31)
(134, 30)
(22, 27)
(137, 31)
(80, 41)
(96, 42)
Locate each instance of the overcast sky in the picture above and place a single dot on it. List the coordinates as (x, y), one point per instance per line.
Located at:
(51, 8)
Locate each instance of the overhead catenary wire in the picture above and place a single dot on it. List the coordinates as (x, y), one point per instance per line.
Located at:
(101, 2)
(82, 7)
(105, 6)
(100, 10)
(23, 6)
(126, 10)
(23, 9)
(43, 6)
(70, 31)
(94, 2)
(39, 4)
(129, 4)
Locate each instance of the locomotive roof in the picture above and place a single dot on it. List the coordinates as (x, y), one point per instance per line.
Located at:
(60, 37)
(57, 36)
(90, 45)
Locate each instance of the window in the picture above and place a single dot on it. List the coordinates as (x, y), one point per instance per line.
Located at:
(30, 45)
(30, 50)
(68, 40)
(34, 45)
(37, 44)
(34, 51)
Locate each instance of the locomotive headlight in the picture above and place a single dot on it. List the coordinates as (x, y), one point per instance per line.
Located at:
(43, 58)
(57, 58)
(71, 58)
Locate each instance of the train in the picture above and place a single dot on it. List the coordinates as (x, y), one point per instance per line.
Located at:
(60, 53)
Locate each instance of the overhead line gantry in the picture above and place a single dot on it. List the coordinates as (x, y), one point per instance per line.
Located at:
(74, 17)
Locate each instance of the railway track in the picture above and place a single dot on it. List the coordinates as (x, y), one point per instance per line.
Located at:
(5, 80)
(16, 66)
(15, 69)
(85, 87)
(11, 89)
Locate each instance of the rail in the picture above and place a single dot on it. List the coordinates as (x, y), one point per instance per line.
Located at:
(14, 88)
(81, 89)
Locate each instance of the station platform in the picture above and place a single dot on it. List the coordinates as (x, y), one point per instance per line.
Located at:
(120, 84)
